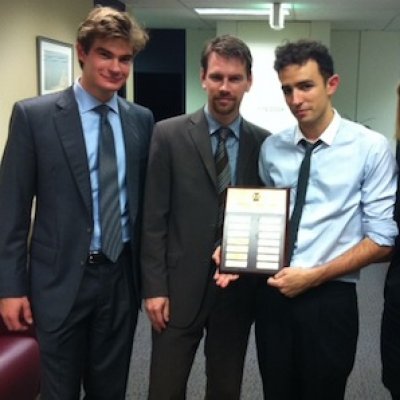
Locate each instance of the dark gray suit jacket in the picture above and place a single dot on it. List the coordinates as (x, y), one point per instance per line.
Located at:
(180, 211)
(45, 158)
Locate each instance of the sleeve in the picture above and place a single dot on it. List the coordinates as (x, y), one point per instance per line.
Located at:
(17, 189)
(155, 218)
(263, 170)
(378, 194)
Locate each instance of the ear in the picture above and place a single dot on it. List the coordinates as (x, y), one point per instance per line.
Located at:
(203, 78)
(249, 82)
(332, 84)
(80, 52)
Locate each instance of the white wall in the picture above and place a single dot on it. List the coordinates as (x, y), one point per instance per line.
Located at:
(369, 66)
(378, 78)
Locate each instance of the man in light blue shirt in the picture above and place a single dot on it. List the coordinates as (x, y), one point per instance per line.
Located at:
(307, 322)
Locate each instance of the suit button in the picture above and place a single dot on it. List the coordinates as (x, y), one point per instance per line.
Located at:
(89, 230)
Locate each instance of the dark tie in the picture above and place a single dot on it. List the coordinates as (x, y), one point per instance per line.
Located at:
(302, 184)
(110, 213)
(223, 176)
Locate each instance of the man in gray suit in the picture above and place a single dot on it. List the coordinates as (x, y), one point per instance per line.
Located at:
(181, 233)
(83, 299)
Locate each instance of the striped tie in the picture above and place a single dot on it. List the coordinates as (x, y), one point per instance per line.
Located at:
(223, 176)
(110, 213)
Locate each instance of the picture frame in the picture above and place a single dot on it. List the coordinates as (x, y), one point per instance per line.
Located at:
(55, 61)
(255, 230)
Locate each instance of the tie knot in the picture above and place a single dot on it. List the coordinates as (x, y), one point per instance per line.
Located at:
(223, 133)
(102, 109)
(309, 147)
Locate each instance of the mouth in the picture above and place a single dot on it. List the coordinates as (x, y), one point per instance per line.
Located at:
(225, 100)
(300, 113)
(113, 79)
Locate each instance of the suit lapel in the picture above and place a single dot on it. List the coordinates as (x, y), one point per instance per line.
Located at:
(201, 139)
(69, 127)
(247, 151)
(132, 148)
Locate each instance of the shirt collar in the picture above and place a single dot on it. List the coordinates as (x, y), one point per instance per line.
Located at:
(214, 125)
(327, 136)
(86, 102)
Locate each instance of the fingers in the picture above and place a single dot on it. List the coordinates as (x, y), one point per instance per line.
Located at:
(27, 312)
(158, 312)
(217, 256)
(16, 313)
(223, 280)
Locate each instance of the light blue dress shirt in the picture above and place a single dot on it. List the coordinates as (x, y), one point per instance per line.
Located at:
(91, 129)
(351, 190)
(232, 141)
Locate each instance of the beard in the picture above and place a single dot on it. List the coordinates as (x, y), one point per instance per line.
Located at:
(224, 109)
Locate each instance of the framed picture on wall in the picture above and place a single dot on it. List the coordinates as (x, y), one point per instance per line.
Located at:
(55, 65)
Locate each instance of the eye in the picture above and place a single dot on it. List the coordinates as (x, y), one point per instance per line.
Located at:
(306, 86)
(104, 54)
(236, 79)
(287, 91)
(215, 77)
(126, 60)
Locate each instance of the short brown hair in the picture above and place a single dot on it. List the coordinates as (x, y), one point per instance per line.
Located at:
(227, 46)
(108, 23)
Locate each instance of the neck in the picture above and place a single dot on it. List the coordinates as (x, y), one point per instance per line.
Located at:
(102, 95)
(314, 130)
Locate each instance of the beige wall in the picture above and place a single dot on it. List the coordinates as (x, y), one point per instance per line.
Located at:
(20, 22)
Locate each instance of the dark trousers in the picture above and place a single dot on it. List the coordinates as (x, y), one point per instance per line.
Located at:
(306, 345)
(93, 345)
(390, 330)
(390, 348)
(226, 316)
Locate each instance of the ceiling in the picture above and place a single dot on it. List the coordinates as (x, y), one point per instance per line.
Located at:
(378, 15)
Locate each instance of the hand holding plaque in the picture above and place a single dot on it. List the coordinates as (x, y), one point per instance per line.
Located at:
(255, 230)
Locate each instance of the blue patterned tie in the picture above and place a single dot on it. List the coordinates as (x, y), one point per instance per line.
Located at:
(223, 176)
(110, 213)
(302, 184)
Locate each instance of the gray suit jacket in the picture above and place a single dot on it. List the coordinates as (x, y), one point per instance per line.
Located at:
(180, 211)
(45, 158)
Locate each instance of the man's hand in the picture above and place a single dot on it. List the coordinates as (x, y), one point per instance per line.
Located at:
(216, 257)
(294, 281)
(16, 313)
(158, 311)
(222, 280)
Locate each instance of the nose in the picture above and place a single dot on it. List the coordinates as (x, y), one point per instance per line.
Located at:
(296, 97)
(224, 85)
(114, 65)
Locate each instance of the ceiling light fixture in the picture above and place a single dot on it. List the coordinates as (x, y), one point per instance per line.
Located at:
(277, 16)
(275, 11)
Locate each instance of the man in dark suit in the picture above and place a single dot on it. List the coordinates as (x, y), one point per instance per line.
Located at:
(181, 233)
(82, 298)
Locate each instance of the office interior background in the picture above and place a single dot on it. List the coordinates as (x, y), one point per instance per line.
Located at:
(363, 36)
